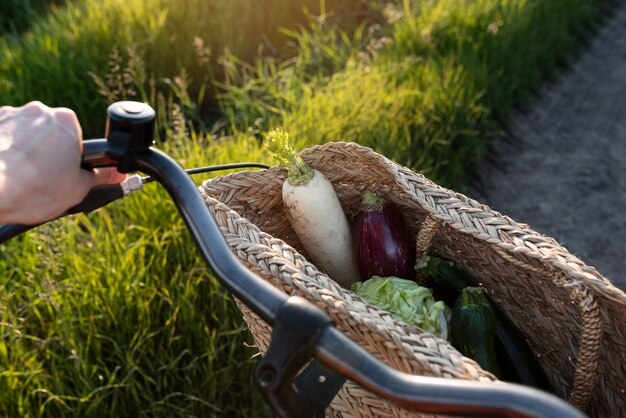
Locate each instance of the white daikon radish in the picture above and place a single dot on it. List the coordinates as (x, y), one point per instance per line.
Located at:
(315, 213)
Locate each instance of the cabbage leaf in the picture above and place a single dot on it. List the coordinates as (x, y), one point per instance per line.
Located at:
(406, 301)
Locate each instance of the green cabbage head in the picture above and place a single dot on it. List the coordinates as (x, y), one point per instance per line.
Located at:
(406, 301)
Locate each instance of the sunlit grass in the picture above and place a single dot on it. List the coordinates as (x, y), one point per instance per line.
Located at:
(51, 62)
(430, 90)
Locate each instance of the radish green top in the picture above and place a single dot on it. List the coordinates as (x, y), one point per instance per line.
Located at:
(279, 145)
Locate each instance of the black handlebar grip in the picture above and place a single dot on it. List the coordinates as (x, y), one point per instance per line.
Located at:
(97, 197)
(12, 230)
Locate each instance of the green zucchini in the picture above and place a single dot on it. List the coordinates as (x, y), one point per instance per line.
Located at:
(455, 276)
(473, 329)
(517, 361)
(445, 279)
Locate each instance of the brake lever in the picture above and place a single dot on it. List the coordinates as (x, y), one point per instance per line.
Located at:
(102, 195)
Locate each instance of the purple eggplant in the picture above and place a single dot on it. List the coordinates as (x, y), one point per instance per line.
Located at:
(382, 240)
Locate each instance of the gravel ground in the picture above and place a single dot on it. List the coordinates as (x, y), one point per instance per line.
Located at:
(562, 168)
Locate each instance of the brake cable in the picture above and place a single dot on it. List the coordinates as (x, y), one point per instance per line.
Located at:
(211, 168)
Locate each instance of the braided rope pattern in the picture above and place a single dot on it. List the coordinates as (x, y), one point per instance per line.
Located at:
(590, 338)
(425, 236)
(562, 306)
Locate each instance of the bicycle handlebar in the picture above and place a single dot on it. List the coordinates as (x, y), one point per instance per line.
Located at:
(437, 395)
(314, 338)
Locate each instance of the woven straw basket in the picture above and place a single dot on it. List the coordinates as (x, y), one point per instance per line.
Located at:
(572, 317)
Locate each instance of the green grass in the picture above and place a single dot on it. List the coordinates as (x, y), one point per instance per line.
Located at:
(430, 91)
(114, 314)
(16, 16)
(52, 61)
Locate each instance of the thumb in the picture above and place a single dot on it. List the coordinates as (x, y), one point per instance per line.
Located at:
(108, 175)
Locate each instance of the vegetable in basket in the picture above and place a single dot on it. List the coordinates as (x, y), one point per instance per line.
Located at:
(407, 301)
(473, 329)
(382, 241)
(315, 213)
(517, 361)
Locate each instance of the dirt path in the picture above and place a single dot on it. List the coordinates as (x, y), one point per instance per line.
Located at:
(562, 170)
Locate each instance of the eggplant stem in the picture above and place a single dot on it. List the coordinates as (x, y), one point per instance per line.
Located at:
(372, 202)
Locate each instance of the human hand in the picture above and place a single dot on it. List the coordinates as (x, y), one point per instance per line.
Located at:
(40, 156)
